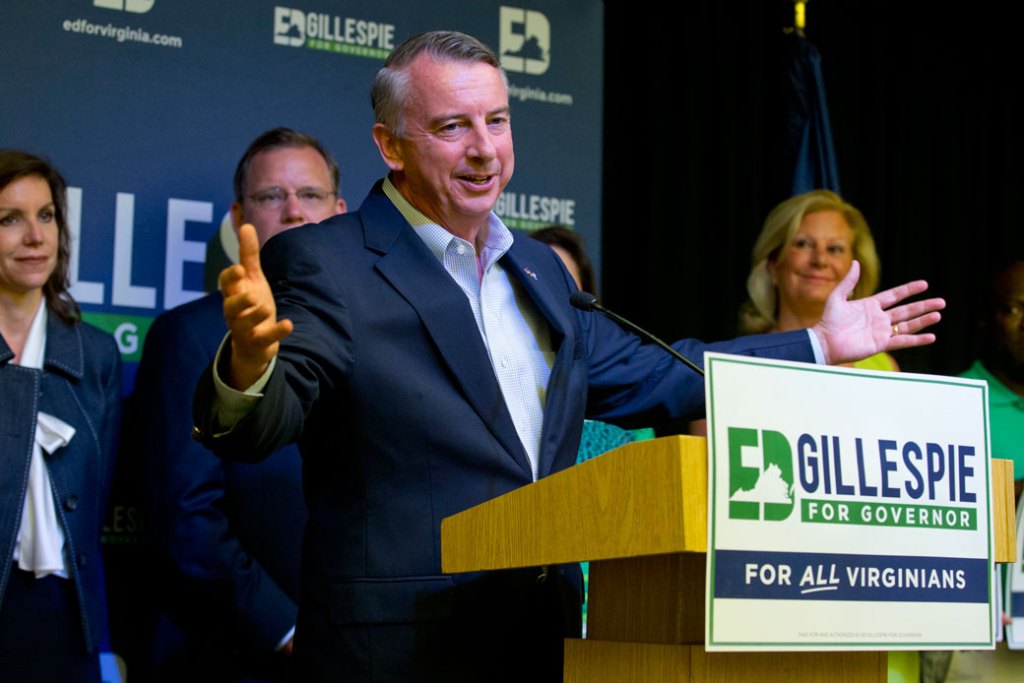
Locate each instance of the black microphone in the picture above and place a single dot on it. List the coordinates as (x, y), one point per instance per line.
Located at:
(585, 301)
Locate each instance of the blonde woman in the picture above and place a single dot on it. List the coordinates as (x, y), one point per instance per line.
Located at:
(805, 248)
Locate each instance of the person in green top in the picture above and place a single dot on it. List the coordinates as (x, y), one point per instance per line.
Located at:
(1001, 364)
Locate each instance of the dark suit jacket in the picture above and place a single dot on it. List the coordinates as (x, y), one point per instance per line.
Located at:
(229, 533)
(80, 383)
(388, 388)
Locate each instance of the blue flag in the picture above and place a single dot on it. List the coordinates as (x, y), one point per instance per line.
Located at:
(808, 155)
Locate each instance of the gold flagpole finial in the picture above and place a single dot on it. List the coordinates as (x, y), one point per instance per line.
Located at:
(799, 16)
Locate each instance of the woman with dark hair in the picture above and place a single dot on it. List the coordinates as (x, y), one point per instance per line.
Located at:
(61, 405)
(569, 246)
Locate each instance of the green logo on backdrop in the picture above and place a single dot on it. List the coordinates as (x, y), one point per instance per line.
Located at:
(128, 330)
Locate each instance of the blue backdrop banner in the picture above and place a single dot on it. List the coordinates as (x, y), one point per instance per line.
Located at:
(146, 105)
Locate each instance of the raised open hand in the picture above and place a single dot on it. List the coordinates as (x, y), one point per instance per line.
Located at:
(852, 330)
(250, 313)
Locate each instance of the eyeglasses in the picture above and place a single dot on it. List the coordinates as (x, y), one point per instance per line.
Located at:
(273, 198)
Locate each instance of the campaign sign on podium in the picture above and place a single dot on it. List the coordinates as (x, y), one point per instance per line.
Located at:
(848, 509)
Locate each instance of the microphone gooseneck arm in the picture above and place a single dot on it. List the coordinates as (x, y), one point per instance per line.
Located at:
(585, 301)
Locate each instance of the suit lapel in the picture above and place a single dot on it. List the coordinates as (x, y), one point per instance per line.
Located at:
(415, 272)
(536, 277)
(533, 275)
(64, 351)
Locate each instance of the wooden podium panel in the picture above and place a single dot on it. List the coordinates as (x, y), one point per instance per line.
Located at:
(1004, 511)
(598, 661)
(654, 599)
(644, 498)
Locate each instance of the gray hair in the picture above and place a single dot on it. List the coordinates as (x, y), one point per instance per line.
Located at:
(391, 84)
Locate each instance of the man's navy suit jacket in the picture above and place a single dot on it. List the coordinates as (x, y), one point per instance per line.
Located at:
(228, 535)
(388, 388)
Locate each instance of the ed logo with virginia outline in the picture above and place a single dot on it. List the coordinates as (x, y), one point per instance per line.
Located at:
(524, 41)
(754, 485)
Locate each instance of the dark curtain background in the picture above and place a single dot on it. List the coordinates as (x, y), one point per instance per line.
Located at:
(926, 122)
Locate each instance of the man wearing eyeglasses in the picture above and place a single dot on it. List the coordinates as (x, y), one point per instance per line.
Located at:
(285, 179)
(226, 536)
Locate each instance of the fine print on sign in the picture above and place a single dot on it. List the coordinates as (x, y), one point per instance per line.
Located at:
(848, 509)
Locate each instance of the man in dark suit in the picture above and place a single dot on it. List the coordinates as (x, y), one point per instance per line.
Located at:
(227, 535)
(425, 361)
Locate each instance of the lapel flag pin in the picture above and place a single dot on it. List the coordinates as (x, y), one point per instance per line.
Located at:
(530, 273)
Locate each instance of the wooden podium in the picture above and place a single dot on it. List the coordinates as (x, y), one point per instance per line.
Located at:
(639, 515)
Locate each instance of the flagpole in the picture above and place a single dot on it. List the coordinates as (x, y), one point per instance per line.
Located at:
(799, 16)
